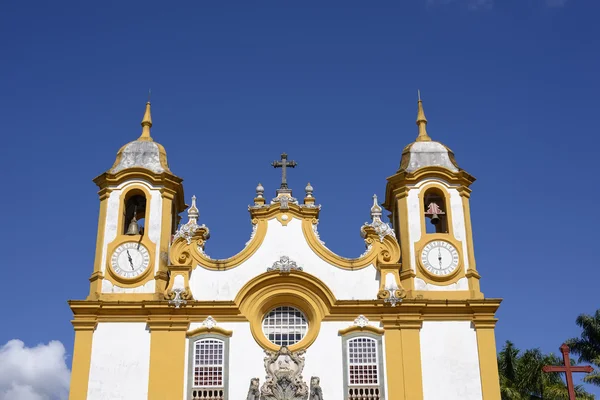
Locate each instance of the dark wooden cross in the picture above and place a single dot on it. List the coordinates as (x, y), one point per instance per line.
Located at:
(283, 164)
(568, 369)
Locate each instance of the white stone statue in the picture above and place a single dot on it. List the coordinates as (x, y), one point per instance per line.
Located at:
(284, 376)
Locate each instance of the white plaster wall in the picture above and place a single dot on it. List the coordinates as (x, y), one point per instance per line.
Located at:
(450, 361)
(108, 287)
(323, 359)
(152, 226)
(120, 363)
(289, 241)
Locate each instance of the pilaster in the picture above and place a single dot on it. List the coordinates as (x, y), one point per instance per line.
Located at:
(167, 358)
(488, 364)
(403, 357)
(82, 358)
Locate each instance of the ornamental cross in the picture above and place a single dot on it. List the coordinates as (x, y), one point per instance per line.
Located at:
(568, 369)
(283, 164)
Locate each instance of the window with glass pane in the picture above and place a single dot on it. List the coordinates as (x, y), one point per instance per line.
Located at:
(208, 363)
(285, 326)
(362, 362)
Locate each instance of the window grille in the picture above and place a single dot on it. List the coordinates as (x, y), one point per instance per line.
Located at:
(285, 326)
(362, 362)
(363, 379)
(208, 363)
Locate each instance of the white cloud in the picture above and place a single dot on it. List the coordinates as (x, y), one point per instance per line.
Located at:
(33, 373)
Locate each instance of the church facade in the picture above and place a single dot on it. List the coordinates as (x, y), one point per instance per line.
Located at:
(285, 318)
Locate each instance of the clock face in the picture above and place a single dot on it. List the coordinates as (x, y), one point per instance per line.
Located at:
(439, 258)
(130, 260)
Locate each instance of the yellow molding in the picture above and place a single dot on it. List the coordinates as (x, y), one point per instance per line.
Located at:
(204, 329)
(107, 180)
(167, 364)
(356, 328)
(183, 253)
(381, 253)
(82, 359)
(168, 324)
(488, 365)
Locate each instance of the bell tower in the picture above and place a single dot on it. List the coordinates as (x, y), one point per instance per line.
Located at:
(428, 198)
(140, 202)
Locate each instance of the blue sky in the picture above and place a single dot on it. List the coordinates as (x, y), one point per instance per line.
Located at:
(510, 85)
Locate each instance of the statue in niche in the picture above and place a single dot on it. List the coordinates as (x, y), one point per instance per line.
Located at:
(253, 392)
(284, 376)
(316, 393)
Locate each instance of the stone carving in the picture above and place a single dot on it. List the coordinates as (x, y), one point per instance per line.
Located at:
(284, 200)
(361, 321)
(284, 265)
(392, 296)
(188, 230)
(177, 297)
(381, 228)
(284, 376)
(316, 393)
(253, 392)
(209, 322)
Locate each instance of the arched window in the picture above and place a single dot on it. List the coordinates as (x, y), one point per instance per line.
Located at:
(207, 377)
(436, 213)
(134, 213)
(363, 375)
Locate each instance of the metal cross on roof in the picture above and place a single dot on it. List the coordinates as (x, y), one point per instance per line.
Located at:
(283, 164)
(568, 369)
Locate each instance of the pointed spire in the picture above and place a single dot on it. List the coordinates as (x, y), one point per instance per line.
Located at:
(422, 122)
(146, 124)
(193, 212)
(376, 210)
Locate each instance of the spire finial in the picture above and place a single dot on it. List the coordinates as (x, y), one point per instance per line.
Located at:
(421, 121)
(193, 212)
(376, 210)
(146, 122)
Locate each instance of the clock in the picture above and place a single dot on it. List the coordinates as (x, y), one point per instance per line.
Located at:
(130, 260)
(439, 258)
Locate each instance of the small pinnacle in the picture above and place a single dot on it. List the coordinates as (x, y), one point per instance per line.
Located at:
(146, 124)
(421, 122)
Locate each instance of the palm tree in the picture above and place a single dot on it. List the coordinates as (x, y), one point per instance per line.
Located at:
(587, 347)
(522, 378)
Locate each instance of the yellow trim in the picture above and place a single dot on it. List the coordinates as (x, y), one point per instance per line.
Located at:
(488, 365)
(205, 329)
(403, 357)
(140, 280)
(183, 253)
(445, 279)
(82, 358)
(167, 359)
(443, 309)
(472, 274)
(297, 289)
(444, 190)
(108, 180)
(356, 328)
(386, 252)
(96, 278)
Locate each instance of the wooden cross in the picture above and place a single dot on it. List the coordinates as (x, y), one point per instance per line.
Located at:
(568, 369)
(283, 164)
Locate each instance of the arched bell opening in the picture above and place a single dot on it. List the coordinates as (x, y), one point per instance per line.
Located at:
(134, 211)
(435, 211)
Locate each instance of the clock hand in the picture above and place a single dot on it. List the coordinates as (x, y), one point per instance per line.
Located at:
(130, 261)
(440, 257)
